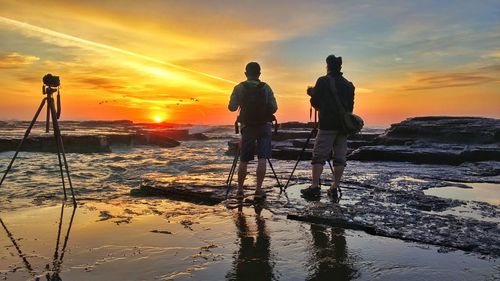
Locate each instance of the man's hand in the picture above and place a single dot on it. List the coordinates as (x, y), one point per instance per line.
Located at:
(310, 91)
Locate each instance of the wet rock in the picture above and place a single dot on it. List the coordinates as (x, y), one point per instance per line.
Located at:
(296, 125)
(72, 144)
(428, 153)
(282, 135)
(291, 153)
(181, 190)
(332, 221)
(436, 140)
(168, 138)
(380, 209)
(443, 129)
(177, 134)
(155, 139)
(161, 231)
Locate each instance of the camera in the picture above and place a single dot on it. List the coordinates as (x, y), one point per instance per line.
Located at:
(51, 80)
(310, 91)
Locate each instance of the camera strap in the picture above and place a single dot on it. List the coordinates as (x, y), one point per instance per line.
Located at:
(58, 104)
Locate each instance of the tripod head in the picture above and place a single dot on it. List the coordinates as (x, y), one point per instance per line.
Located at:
(51, 84)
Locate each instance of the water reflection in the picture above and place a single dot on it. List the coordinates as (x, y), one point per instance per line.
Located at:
(253, 259)
(329, 256)
(52, 270)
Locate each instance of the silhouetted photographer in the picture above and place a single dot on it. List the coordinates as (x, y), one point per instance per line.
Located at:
(333, 98)
(257, 104)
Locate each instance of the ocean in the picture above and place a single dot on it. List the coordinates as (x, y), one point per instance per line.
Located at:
(116, 236)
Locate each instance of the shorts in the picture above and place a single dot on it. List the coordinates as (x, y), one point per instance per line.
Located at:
(327, 140)
(262, 134)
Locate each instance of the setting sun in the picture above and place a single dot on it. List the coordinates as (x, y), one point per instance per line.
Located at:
(158, 119)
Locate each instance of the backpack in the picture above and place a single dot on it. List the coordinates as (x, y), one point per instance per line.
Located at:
(254, 107)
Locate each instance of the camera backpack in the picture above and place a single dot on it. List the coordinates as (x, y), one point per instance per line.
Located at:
(254, 106)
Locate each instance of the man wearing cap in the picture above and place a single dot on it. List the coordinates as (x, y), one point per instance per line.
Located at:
(257, 104)
(330, 135)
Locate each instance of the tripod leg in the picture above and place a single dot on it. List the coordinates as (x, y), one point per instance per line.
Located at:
(233, 166)
(331, 167)
(231, 175)
(57, 132)
(274, 173)
(333, 175)
(24, 138)
(300, 157)
(58, 145)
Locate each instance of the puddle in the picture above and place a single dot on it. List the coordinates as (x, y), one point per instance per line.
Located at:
(484, 192)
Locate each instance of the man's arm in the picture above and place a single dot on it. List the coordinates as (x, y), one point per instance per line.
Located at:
(316, 95)
(234, 101)
(273, 105)
(350, 106)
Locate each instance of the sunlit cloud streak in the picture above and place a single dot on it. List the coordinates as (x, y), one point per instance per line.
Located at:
(55, 34)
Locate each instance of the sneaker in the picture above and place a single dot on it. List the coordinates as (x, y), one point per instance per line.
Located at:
(311, 192)
(259, 195)
(334, 193)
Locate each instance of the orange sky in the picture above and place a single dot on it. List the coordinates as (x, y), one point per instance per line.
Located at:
(179, 60)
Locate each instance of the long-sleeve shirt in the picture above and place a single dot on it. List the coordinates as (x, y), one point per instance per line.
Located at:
(237, 95)
(322, 100)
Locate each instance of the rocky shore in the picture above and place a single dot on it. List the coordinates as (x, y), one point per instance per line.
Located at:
(380, 204)
(99, 143)
(426, 140)
(382, 197)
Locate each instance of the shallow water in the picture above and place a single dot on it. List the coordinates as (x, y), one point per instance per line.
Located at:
(485, 192)
(111, 236)
(217, 244)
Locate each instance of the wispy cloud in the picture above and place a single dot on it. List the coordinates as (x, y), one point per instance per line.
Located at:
(430, 80)
(16, 60)
(45, 33)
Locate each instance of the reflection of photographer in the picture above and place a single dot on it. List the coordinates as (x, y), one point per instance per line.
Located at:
(332, 96)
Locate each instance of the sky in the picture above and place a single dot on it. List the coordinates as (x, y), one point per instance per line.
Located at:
(178, 61)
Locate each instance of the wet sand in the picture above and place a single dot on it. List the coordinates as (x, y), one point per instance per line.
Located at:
(158, 239)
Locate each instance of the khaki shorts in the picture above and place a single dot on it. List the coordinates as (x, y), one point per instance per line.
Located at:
(326, 141)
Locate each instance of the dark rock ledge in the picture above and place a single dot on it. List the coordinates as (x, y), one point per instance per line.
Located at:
(422, 140)
(401, 214)
(101, 143)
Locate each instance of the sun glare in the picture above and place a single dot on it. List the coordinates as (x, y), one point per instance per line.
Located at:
(158, 119)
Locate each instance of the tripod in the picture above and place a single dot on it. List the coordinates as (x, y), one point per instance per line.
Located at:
(53, 115)
(314, 131)
(233, 170)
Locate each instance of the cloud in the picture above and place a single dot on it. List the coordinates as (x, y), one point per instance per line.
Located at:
(428, 80)
(16, 60)
(65, 39)
(492, 54)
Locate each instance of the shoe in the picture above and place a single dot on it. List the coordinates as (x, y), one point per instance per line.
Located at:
(334, 193)
(311, 192)
(259, 195)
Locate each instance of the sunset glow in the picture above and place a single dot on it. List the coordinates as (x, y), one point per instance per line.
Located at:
(158, 119)
(117, 60)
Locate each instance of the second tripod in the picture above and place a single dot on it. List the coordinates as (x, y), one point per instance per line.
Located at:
(312, 134)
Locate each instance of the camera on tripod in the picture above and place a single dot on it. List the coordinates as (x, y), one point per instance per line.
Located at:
(51, 83)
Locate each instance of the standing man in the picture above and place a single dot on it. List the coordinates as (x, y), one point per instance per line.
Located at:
(257, 106)
(331, 134)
